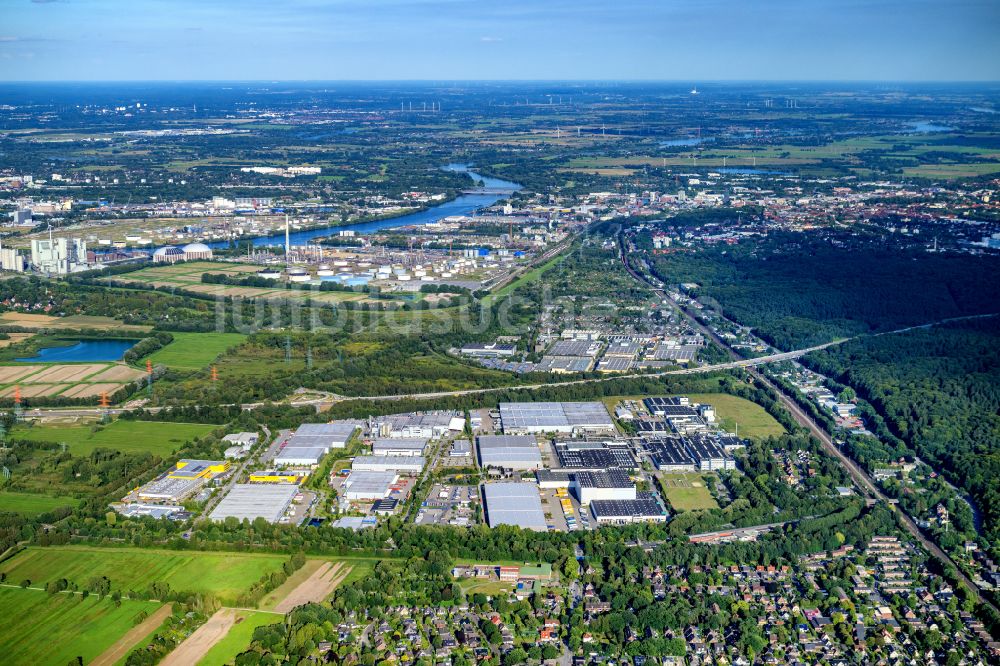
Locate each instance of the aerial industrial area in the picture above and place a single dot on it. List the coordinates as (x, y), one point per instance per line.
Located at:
(499, 373)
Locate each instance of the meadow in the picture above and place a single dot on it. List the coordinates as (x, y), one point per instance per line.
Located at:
(40, 629)
(32, 504)
(687, 492)
(193, 351)
(225, 575)
(732, 410)
(161, 439)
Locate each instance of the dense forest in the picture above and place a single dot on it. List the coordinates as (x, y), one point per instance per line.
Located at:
(938, 390)
(798, 290)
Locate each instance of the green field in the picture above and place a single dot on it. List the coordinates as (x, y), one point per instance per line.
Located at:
(239, 637)
(687, 492)
(40, 629)
(732, 410)
(193, 351)
(226, 575)
(161, 439)
(32, 504)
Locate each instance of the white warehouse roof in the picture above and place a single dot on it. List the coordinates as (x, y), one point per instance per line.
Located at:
(517, 504)
(256, 500)
(554, 416)
(509, 451)
(389, 463)
(328, 435)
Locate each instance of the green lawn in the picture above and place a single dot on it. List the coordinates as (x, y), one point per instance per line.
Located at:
(226, 575)
(732, 410)
(39, 629)
(159, 438)
(194, 351)
(687, 492)
(32, 504)
(239, 637)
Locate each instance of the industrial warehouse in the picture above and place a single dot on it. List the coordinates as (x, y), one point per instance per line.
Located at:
(408, 446)
(517, 504)
(688, 454)
(571, 418)
(368, 486)
(251, 501)
(185, 480)
(393, 463)
(509, 452)
(552, 465)
(312, 441)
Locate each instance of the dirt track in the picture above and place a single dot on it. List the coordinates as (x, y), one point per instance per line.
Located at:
(315, 588)
(124, 645)
(197, 645)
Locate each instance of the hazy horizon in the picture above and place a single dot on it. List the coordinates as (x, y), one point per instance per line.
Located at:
(453, 40)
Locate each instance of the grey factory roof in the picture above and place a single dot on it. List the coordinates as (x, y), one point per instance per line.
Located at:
(369, 483)
(550, 363)
(513, 451)
(683, 353)
(623, 348)
(415, 445)
(389, 462)
(574, 348)
(555, 415)
(706, 449)
(300, 454)
(516, 504)
(614, 364)
(669, 452)
(256, 500)
(605, 457)
(322, 434)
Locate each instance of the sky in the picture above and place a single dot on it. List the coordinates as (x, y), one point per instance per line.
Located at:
(682, 40)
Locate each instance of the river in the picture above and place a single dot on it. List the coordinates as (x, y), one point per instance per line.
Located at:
(461, 205)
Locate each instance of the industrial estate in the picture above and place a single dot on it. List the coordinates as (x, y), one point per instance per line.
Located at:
(497, 373)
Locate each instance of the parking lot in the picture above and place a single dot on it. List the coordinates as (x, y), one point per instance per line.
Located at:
(300, 507)
(449, 505)
(553, 510)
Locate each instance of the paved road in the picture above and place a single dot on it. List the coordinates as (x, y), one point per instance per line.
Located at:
(233, 478)
(860, 477)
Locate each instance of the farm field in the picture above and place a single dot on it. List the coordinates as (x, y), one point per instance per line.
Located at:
(73, 322)
(70, 380)
(39, 629)
(225, 575)
(32, 504)
(687, 492)
(158, 438)
(731, 410)
(14, 338)
(193, 351)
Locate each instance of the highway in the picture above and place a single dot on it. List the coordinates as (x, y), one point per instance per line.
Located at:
(861, 479)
